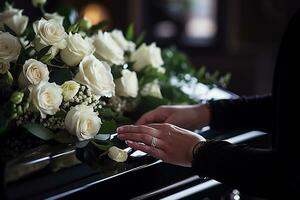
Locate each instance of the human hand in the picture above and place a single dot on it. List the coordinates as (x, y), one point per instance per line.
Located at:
(186, 116)
(164, 141)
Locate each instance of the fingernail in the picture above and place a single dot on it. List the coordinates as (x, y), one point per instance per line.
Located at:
(128, 142)
(119, 129)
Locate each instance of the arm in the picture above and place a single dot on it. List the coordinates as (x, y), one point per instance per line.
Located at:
(243, 113)
(240, 166)
(260, 172)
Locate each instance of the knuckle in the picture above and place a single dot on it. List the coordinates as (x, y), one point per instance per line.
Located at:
(144, 137)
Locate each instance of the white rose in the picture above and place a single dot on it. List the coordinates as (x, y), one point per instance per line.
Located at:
(10, 47)
(116, 154)
(108, 49)
(77, 48)
(151, 89)
(126, 45)
(33, 73)
(14, 19)
(127, 85)
(4, 67)
(69, 89)
(49, 32)
(36, 3)
(55, 16)
(83, 122)
(97, 76)
(147, 55)
(45, 97)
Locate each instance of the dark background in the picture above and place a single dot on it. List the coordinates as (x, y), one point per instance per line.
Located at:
(246, 42)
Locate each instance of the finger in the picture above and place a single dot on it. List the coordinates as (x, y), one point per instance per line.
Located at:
(145, 148)
(150, 117)
(136, 129)
(142, 138)
(161, 126)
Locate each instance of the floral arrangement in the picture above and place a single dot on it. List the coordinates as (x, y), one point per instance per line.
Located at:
(61, 76)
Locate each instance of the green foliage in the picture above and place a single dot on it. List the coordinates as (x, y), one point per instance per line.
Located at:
(130, 32)
(148, 103)
(5, 116)
(140, 39)
(39, 131)
(43, 53)
(60, 75)
(116, 71)
(74, 28)
(102, 145)
(148, 74)
(97, 27)
(175, 95)
(7, 29)
(108, 127)
(177, 64)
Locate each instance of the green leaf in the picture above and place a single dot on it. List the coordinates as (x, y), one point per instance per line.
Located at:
(5, 119)
(29, 33)
(98, 27)
(108, 127)
(107, 113)
(73, 28)
(149, 74)
(82, 144)
(130, 32)
(39, 131)
(43, 52)
(102, 146)
(116, 71)
(121, 119)
(7, 29)
(60, 75)
(148, 103)
(140, 39)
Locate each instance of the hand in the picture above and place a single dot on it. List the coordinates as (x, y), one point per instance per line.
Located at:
(164, 141)
(186, 116)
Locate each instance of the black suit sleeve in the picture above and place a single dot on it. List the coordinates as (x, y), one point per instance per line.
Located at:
(239, 166)
(272, 173)
(239, 113)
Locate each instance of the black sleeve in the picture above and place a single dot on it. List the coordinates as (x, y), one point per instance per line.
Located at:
(239, 166)
(243, 113)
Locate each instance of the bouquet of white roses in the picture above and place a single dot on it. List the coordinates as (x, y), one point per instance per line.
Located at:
(58, 75)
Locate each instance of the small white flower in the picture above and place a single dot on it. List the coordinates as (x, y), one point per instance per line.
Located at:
(77, 48)
(45, 97)
(49, 33)
(36, 3)
(33, 73)
(127, 85)
(14, 19)
(4, 67)
(108, 49)
(96, 75)
(151, 89)
(10, 47)
(147, 55)
(116, 154)
(83, 122)
(69, 90)
(126, 45)
(55, 16)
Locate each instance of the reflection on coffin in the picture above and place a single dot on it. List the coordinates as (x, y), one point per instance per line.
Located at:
(73, 172)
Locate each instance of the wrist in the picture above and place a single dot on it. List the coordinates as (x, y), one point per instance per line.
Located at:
(197, 148)
(203, 113)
